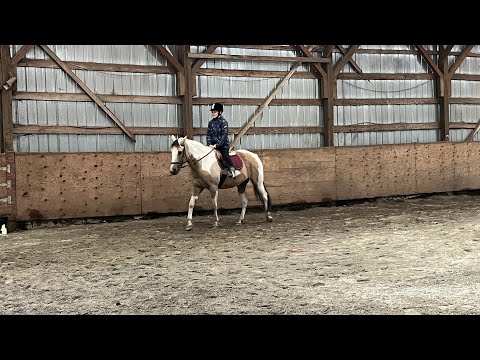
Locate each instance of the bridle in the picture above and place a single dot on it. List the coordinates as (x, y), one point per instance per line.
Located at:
(185, 163)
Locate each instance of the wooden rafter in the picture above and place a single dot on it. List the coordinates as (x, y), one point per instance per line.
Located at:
(459, 60)
(21, 54)
(170, 58)
(344, 60)
(425, 55)
(175, 65)
(318, 69)
(352, 62)
(444, 52)
(264, 104)
(200, 62)
(327, 51)
(85, 88)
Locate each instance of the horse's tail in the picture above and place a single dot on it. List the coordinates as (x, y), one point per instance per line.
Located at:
(260, 197)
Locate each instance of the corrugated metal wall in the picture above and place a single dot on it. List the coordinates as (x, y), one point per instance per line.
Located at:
(260, 88)
(465, 89)
(71, 113)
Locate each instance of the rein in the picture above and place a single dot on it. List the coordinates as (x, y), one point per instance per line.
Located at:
(186, 163)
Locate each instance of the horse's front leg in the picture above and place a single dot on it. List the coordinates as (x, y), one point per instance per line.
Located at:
(214, 193)
(196, 192)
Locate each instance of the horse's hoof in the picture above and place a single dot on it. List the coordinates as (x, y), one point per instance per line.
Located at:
(240, 222)
(269, 219)
(189, 227)
(215, 224)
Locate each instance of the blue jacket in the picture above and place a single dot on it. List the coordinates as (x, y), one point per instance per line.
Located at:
(217, 131)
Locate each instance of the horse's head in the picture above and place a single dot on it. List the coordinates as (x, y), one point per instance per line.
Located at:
(178, 154)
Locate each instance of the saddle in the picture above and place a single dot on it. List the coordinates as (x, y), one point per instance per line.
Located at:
(236, 160)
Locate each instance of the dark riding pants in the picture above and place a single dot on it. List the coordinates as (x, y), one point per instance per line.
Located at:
(225, 156)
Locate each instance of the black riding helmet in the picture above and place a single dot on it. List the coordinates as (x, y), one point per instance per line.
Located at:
(217, 107)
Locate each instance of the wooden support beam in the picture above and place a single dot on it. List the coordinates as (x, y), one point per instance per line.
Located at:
(473, 132)
(459, 60)
(328, 105)
(85, 88)
(83, 65)
(318, 69)
(175, 65)
(21, 54)
(443, 89)
(445, 51)
(257, 58)
(264, 104)
(352, 62)
(344, 60)
(187, 108)
(425, 55)
(6, 101)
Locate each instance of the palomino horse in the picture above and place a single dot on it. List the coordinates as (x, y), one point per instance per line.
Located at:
(207, 174)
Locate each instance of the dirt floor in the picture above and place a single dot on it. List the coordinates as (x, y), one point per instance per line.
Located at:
(416, 255)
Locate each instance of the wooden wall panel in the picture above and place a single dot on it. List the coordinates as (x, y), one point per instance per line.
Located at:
(466, 160)
(435, 167)
(54, 186)
(375, 171)
(300, 175)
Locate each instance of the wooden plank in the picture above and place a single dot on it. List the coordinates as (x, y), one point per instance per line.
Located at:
(254, 73)
(93, 130)
(257, 58)
(77, 65)
(459, 60)
(405, 101)
(256, 101)
(429, 61)
(343, 76)
(385, 76)
(468, 77)
(87, 90)
(6, 101)
(257, 130)
(471, 135)
(386, 127)
(21, 54)
(466, 160)
(344, 60)
(21, 95)
(264, 104)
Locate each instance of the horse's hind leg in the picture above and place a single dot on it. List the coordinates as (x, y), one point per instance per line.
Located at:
(241, 192)
(196, 192)
(214, 193)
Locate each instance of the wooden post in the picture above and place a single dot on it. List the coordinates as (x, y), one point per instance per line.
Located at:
(328, 105)
(7, 120)
(443, 84)
(187, 108)
(7, 135)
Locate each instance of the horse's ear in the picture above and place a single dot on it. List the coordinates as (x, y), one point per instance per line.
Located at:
(173, 137)
(181, 140)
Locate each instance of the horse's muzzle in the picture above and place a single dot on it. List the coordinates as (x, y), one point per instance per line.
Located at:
(174, 171)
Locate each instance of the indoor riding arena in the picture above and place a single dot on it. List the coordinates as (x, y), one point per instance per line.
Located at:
(371, 159)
